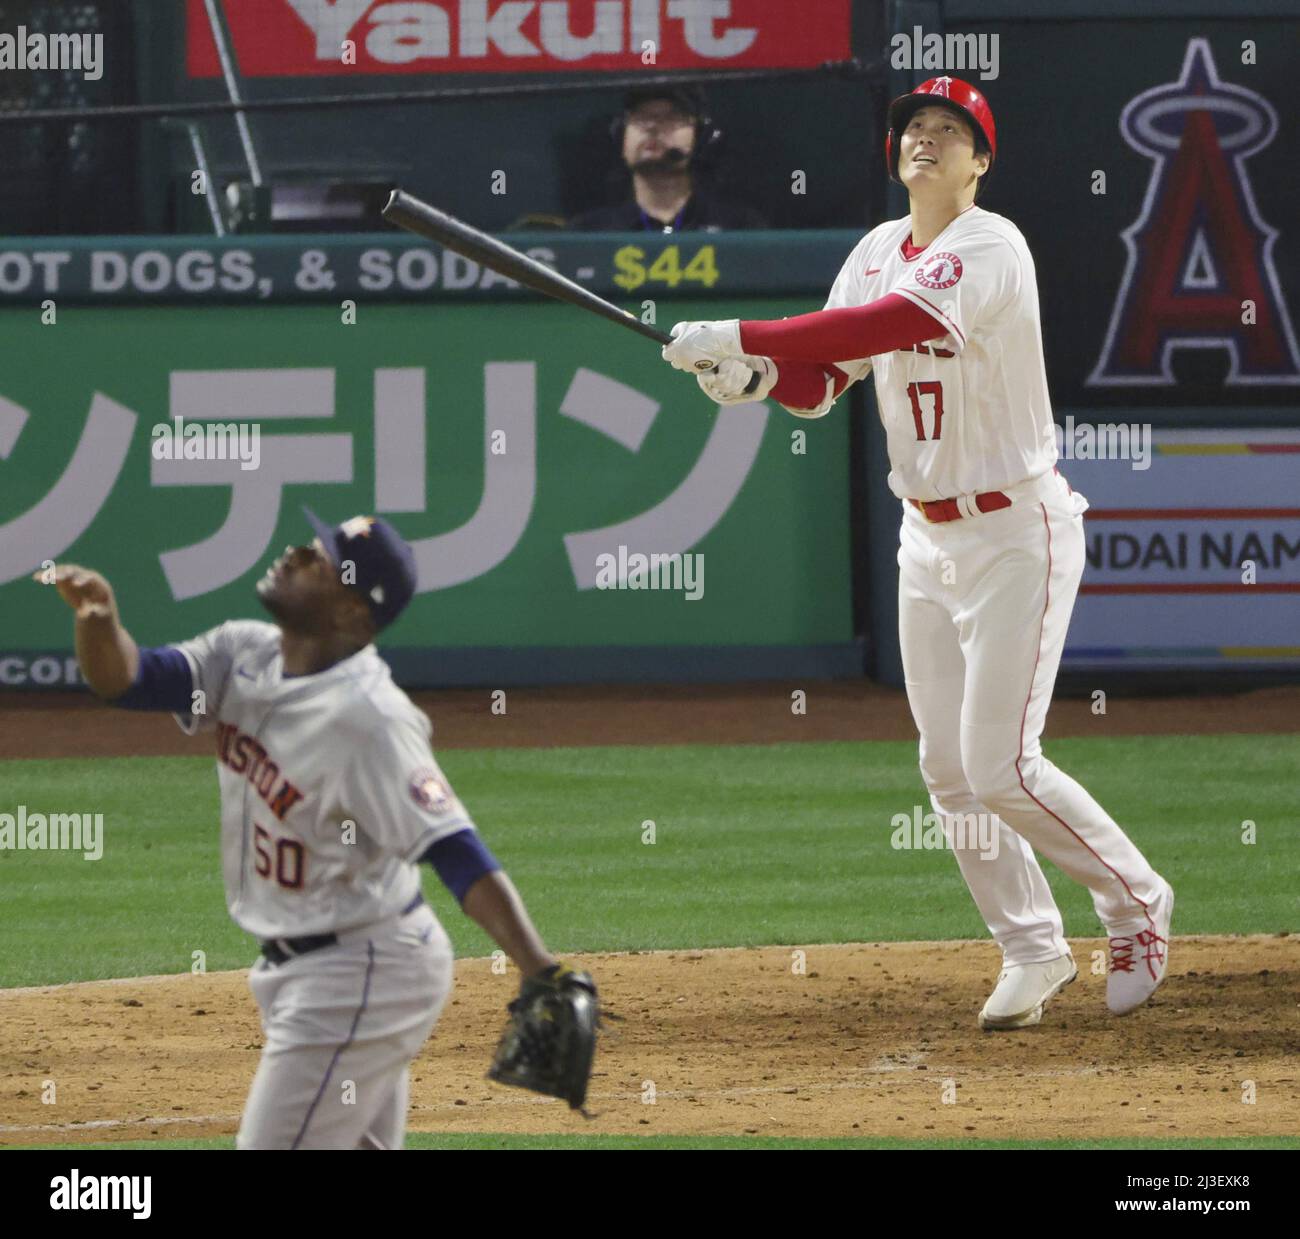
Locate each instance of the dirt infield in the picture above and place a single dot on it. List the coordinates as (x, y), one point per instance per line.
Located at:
(872, 1040)
(69, 724)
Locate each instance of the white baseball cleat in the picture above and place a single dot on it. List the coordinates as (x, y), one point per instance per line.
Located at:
(1022, 991)
(1138, 960)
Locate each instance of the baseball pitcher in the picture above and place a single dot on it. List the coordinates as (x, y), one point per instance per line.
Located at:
(943, 306)
(330, 794)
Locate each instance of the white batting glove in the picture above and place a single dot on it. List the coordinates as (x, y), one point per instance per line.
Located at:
(726, 385)
(701, 346)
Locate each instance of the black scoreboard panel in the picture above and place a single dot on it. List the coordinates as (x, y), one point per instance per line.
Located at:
(66, 176)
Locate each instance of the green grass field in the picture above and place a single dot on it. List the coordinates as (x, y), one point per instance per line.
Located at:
(754, 845)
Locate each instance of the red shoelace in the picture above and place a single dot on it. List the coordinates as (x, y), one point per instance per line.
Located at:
(1121, 951)
(1121, 955)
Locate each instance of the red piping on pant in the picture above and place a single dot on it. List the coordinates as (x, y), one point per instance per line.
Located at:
(1047, 598)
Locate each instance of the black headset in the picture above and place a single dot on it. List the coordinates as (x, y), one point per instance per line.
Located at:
(708, 137)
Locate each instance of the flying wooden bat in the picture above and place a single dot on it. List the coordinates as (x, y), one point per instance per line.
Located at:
(409, 212)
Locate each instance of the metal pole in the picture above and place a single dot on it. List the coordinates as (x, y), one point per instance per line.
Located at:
(232, 88)
(210, 190)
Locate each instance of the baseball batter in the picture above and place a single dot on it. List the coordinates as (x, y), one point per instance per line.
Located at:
(943, 307)
(330, 794)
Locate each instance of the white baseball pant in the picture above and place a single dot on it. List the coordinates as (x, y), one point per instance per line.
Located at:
(983, 607)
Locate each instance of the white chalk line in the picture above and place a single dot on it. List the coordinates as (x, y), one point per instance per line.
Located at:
(171, 1120)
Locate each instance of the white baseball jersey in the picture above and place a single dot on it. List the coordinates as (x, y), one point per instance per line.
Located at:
(969, 412)
(329, 788)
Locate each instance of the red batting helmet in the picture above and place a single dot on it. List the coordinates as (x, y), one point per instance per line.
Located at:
(948, 91)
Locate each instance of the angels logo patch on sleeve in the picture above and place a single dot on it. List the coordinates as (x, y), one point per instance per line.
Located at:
(430, 792)
(939, 271)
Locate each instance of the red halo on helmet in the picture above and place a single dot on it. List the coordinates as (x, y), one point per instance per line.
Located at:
(946, 91)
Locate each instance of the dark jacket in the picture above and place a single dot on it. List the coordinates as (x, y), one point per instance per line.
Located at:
(703, 212)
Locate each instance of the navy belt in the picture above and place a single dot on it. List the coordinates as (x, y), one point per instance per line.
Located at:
(281, 950)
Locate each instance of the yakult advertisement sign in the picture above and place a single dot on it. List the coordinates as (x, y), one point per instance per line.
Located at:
(290, 38)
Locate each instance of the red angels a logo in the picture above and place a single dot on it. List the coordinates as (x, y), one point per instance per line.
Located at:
(429, 791)
(1200, 251)
(939, 271)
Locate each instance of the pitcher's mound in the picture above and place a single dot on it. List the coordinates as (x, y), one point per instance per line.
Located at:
(839, 1041)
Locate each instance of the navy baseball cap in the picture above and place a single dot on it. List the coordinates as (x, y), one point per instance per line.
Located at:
(383, 563)
(690, 99)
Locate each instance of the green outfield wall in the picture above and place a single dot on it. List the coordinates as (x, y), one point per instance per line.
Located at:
(530, 452)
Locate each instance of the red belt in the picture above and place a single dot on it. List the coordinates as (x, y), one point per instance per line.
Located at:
(940, 510)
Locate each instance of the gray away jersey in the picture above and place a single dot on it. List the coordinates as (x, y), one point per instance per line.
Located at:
(329, 787)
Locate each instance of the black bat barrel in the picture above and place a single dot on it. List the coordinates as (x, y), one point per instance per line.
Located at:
(409, 212)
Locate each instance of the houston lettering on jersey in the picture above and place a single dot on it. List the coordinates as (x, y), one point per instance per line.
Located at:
(245, 755)
(1200, 251)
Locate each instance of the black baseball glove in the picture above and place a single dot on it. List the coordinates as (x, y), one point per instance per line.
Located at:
(550, 1041)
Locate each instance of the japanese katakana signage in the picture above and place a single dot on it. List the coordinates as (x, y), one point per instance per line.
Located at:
(558, 488)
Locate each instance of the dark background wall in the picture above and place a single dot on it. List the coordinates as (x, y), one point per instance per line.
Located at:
(1067, 69)
(1060, 92)
(68, 177)
(555, 151)
(132, 176)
